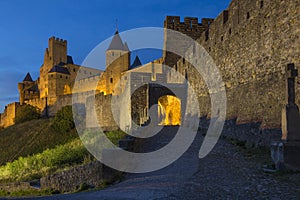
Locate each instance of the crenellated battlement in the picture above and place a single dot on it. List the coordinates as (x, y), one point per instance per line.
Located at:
(57, 40)
(189, 26)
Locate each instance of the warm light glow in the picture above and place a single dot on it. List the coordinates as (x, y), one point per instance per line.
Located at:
(67, 90)
(169, 110)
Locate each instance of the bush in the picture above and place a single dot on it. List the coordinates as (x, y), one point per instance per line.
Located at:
(115, 136)
(63, 120)
(26, 113)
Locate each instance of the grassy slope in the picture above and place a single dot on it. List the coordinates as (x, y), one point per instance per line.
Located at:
(30, 138)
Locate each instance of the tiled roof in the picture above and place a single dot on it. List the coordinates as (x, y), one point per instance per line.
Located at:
(28, 77)
(59, 69)
(136, 63)
(34, 88)
(117, 43)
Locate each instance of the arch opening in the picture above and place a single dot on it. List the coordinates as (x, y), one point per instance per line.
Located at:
(169, 111)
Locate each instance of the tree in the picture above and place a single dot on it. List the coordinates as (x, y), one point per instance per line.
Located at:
(26, 113)
(63, 120)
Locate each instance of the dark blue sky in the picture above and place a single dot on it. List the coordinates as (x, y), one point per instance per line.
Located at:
(25, 27)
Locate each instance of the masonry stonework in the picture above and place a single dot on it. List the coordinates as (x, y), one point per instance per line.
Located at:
(251, 43)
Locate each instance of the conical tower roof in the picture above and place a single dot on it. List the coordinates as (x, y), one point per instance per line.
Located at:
(28, 78)
(117, 43)
(136, 63)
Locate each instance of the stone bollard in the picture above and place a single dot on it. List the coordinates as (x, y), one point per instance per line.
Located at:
(277, 154)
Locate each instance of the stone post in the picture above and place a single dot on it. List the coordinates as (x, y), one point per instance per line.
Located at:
(287, 151)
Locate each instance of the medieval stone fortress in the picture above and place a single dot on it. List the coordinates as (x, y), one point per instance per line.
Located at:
(255, 46)
(252, 42)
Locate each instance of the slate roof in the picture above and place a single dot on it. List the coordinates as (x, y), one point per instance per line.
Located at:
(126, 46)
(70, 60)
(34, 88)
(28, 77)
(117, 43)
(59, 69)
(136, 63)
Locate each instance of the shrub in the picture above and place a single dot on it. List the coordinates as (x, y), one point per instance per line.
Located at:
(63, 120)
(115, 136)
(26, 113)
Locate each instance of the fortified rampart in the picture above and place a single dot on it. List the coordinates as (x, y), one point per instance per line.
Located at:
(7, 118)
(251, 43)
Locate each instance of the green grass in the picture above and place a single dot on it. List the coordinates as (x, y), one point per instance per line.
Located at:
(22, 193)
(30, 138)
(50, 161)
(45, 163)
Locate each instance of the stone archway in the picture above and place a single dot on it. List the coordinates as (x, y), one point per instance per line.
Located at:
(169, 110)
(171, 106)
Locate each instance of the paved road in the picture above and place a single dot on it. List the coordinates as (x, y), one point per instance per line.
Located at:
(226, 173)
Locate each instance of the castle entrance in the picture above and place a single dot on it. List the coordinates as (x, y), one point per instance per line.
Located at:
(169, 110)
(171, 102)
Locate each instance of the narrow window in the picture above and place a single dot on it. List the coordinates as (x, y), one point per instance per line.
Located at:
(111, 80)
(261, 4)
(230, 31)
(248, 15)
(206, 35)
(225, 16)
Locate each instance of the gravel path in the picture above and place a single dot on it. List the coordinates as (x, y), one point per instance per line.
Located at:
(228, 172)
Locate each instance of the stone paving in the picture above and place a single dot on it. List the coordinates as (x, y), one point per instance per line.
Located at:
(228, 172)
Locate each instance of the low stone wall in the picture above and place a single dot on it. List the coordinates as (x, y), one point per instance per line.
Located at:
(249, 133)
(17, 186)
(69, 181)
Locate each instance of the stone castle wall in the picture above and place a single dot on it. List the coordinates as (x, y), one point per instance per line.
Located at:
(251, 43)
(7, 118)
(104, 115)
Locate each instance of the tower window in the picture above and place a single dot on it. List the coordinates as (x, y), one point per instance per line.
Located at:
(111, 80)
(248, 15)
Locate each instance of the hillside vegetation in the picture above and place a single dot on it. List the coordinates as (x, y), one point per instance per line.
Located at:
(30, 138)
(39, 147)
